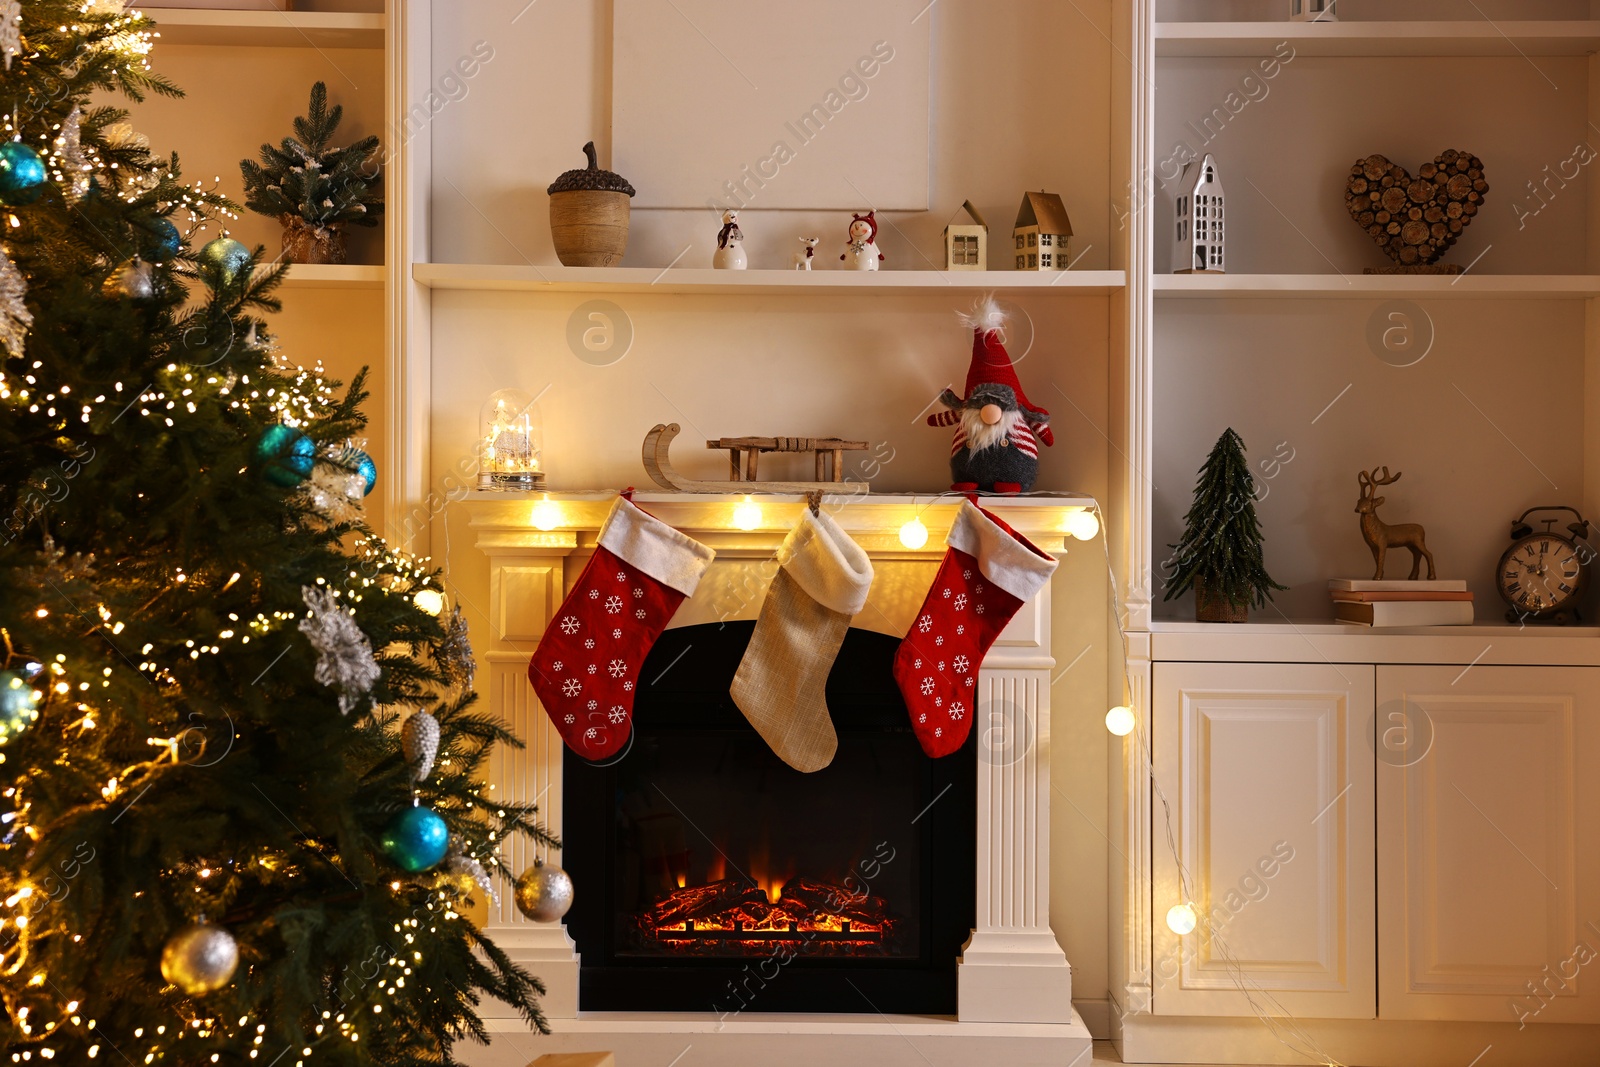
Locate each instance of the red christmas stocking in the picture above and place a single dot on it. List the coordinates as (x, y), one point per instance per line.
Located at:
(586, 667)
(989, 571)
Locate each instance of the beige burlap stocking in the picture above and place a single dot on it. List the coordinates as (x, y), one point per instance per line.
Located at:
(822, 581)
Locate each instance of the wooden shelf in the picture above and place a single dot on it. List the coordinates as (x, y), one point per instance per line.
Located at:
(334, 276)
(268, 29)
(766, 282)
(1475, 38)
(1370, 286)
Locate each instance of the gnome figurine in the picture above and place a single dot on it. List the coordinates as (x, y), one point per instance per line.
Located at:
(996, 446)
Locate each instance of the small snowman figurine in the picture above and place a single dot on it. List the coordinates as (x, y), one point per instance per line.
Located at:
(730, 245)
(861, 252)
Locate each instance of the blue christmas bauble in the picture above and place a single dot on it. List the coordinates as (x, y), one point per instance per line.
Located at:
(161, 241)
(222, 260)
(22, 176)
(286, 455)
(368, 471)
(417, 839)
(19, 705)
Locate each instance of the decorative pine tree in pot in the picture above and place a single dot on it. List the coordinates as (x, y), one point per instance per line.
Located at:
(1220, 555)
(314, 189)
(215, 844)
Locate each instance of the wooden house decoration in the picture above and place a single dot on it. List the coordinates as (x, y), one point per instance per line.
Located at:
(1043, 233)
(1313, 10)
(966, 245)
(1201, 237)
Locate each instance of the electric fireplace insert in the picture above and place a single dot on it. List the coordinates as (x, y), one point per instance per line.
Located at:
(712, 877)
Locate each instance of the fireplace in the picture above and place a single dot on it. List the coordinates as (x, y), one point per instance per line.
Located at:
(721, 880)
(985, 857)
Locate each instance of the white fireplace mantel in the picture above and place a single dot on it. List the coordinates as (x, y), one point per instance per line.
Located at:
(1014, 982)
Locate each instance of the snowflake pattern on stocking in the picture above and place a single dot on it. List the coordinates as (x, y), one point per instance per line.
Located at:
(617, 713)
(617, 668)
(927, 687)
(572, 687)
(570, 624)
(960, 663)
(613, 605)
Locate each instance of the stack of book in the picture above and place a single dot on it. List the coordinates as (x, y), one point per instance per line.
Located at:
(1363, 602)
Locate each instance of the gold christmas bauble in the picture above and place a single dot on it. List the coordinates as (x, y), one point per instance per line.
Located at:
(544, 893)
(200, 958)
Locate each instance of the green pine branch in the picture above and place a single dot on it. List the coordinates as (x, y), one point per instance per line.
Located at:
(304, 177)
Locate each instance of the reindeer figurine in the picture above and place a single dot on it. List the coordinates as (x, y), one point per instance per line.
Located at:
(1380, 536)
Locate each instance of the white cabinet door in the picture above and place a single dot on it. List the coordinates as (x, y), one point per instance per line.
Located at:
(1269, 777)
(1489, 844)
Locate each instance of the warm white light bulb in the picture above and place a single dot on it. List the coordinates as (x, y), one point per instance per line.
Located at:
(429, 600)
(1181, 919)
(1120, 720)
(1083, 525)
(913, 534)
(546, 514)
(747, 515)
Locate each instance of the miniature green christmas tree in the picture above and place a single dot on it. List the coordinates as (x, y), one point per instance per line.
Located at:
(216, 843)
(1219, 555)
(308, 185)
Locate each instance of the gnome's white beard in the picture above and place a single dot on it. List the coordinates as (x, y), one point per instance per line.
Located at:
(981, 435)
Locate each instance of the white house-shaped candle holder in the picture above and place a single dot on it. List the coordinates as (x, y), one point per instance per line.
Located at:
(1201, 237)
(966, 245)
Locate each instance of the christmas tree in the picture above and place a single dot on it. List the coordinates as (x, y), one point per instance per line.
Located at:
(308, 178)
(1220, 552)
(217, 842)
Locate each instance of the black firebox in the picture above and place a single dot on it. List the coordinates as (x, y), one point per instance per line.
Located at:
(712, 877)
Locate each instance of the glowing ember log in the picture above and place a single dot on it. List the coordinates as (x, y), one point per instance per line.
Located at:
(733, 917)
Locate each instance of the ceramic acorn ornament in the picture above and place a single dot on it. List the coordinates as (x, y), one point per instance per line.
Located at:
(803, 258)
(861, 251)
(996, 445)
(730, 245)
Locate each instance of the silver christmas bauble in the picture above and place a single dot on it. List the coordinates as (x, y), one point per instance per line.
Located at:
(544, 893)
(419, 740)
(200, 958)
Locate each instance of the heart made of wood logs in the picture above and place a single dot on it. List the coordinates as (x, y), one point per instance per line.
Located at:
(1415, 220)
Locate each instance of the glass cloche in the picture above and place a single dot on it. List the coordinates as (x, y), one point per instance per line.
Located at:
(512, 443)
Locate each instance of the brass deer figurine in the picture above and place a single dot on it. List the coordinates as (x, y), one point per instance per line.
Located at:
(1380, 536)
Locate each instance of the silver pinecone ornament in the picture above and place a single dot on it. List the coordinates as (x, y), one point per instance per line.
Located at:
(454, 654)
(465, 867)
(419, 740)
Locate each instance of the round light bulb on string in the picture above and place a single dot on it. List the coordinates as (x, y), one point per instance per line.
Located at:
(1181, 919)
(1083, 524)
(429, 600)
(747, 514)
(914, 534)
(546, 514)
(1120, 720)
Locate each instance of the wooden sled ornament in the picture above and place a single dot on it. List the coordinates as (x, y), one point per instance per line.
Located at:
(659, 467)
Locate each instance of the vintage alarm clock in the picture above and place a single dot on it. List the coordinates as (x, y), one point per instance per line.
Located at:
(1543, 574)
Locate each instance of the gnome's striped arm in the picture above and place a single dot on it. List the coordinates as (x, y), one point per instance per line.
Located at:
(944, 418)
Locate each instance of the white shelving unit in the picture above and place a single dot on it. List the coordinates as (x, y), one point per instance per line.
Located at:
(1241, 717)
(269, 29)
(1377, 287)
(721, 282)
(1476, 38)
(334, 276)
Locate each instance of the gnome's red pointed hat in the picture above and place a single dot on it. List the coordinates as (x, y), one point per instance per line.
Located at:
(991, 363)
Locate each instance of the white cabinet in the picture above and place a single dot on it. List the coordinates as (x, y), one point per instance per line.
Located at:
(1270, 780)
(1488, 865)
